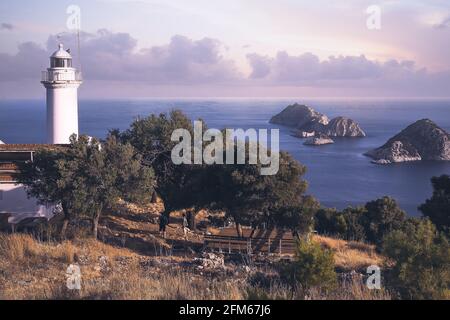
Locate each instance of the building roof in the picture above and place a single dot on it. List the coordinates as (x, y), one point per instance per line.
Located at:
(28, 147)
(61, 53)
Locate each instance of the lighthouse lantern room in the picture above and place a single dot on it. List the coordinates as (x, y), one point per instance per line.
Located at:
(61, 81)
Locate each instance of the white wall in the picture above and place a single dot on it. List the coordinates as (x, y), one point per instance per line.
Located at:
(14, 200)
(62, 113)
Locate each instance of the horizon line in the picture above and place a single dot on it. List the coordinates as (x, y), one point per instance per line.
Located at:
(245, 98)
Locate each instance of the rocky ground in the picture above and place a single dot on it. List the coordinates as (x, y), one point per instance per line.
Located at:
(132, 261)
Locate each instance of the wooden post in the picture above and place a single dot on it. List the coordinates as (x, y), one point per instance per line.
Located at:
(269, 246)
(280, 247)
(229, 247)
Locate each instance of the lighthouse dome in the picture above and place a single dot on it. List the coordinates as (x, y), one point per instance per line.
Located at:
(61, 53)
(61, 58)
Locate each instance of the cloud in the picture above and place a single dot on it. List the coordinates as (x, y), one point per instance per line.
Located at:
(201, 66)
(6, 26)
(115, 57)
(443, 24)
(24, 64)
(260, 65)
(308, 70)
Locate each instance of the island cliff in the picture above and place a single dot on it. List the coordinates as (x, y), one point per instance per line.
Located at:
(309, 122)
(422, 140)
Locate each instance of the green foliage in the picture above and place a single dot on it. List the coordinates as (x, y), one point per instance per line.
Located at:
(86, 177)
(247, 196)
(381, 217)
(344, 224)
(313, 267)
(422, 261)
(370, 223)
(353, 222)
(437, 208)
(275, 200)
(180, 186)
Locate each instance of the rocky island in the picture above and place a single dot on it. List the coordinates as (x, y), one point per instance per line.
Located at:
(422, 140)
(318, 140)
(309, 123)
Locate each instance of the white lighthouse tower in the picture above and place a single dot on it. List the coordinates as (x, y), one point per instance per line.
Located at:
(61, 81)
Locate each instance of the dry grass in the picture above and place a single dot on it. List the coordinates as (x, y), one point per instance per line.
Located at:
(17, 248)
(30, 269)
(351, 255)
(137, 285)
(349, 290)
(36, 270)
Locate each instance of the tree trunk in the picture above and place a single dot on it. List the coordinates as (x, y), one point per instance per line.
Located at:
(154, 197)
(239, 230)
(64, 228)
(253, 232)
(95, 220)
(65, 223)
(191, 219)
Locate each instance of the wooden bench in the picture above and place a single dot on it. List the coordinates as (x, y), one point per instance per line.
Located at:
(262, 241)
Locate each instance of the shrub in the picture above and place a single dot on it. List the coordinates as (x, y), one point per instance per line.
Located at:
(422, 261)
(437, 208)
(325, 221)
(313, 267)
(345, 224)
(382, 216)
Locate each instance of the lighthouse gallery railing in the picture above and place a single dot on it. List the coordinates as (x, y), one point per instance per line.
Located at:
(50, 76)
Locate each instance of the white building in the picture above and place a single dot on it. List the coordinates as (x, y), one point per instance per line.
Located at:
(14, 202)
(61, 81)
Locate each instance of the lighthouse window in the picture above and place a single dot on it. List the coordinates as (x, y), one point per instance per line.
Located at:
(61, 63)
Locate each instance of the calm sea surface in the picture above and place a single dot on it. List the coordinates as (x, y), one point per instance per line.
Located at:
(338, 175)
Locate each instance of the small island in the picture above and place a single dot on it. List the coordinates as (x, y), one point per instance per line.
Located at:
(318, 140)
(422, 140)
(309, 123)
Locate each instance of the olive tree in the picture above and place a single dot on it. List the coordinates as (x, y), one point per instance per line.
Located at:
(86, 177)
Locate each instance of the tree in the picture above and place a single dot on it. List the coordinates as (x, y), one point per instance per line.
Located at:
(422, 261)
(87, 176)
(437, 208)
(254, 199)
(179, 186)
(239, 189)
(353, 217)
(345, 224)
(313, 267)
(381, 217)
(326, 221)
(42, 178)
(299, 218)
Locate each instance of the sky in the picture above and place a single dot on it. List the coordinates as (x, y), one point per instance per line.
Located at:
(232, 48)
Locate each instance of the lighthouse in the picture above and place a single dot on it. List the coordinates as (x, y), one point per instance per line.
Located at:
(61, 81)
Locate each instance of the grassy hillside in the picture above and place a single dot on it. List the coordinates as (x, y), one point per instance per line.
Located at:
(37, 270)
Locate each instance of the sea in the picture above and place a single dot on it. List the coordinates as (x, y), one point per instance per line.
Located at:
(338, 175)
